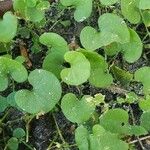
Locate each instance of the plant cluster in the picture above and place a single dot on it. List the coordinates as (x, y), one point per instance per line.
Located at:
(90, 63)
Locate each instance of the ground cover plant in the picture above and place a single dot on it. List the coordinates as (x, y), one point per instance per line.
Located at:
(75, 75)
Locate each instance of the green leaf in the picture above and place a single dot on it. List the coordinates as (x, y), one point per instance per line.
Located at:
(11, 99)
(98, 140)
(13, 143)
(130, 10)
(19, 6)
(145, 120)
(112, 49)
(83, 8)
(146, 17)
(55, 41)
(111, 23)
(77, 111)
(132, 50)
(124, 77)
(33, 14)
(108, 2)
(43, 5)
(115, 120)
(31, 3)
(7, 33)
(19, 133)
(79, 72)
(144, 104)
(32, 10)
(3, 103)
(138, 130)
(101, 140)
(5, 47)
(44, 96)
(12, 67)
(143, 75)
(99, 75)
(144, 4)
(81, 138)
(53, 62)
(92, 40)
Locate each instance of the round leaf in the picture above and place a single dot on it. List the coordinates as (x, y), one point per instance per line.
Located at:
(12, 67)
(55, 41)
(111, 23)
(79, 71)
(13, 143)
(83, 8)
(114, 120)
(77, 111)
(19, 133)
(99, 76)
(130, 10)
(7, 33)
(44, 96)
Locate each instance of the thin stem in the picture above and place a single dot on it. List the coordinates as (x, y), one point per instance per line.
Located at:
(27, 145)
(53, 141)
(27, 128)
(133, 119)
(58, 130)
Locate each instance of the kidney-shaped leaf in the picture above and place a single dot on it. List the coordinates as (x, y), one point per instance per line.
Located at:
(115, 120)
(12, 67)
(143, 75)
(130, 10)
(92, 40)
(111, 23)
(83, 8)
(44, 96)
(55, 41)
(8, 27)
(77, 111)
(79, 71)
(99, 76)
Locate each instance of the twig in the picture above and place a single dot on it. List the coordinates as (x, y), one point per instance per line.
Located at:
(141, 139)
